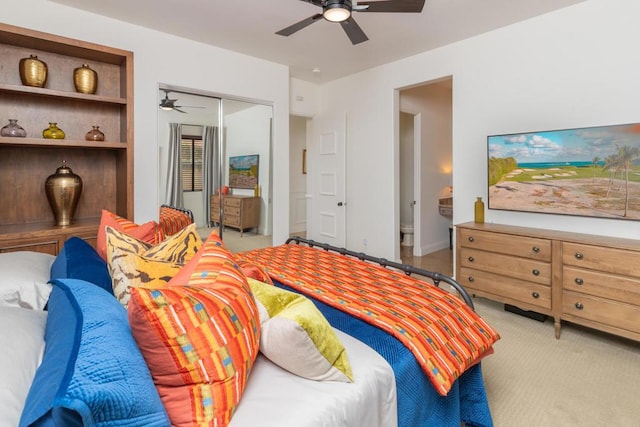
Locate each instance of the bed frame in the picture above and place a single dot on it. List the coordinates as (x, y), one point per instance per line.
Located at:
(407, 269)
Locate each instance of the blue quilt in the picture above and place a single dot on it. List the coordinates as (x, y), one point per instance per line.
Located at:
(419, 404)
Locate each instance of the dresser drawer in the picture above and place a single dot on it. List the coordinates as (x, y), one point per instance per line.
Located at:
(506, 287)
(620, 315)
(527, 247)
(232, 202)
(233, 221)
(611, 260)
(519, 268)
(231, 211)
(619, 288)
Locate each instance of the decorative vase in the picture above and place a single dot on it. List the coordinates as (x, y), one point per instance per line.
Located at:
(13, 129)
(95, 134)
(479, 211)
(63, 190)
(33, 71)
(85, 79)
(53, 132)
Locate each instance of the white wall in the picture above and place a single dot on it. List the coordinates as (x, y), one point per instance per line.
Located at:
(571, 68)
(159, 57)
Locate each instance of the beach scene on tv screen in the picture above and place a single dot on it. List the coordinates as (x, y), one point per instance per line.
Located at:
(591, 171)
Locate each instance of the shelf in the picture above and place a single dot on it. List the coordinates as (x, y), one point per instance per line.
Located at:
(42, 228)
(58, 94)
(61, 143)
(106, 167)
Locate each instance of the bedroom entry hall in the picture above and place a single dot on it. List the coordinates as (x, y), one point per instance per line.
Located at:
(425, 174)
(215, 160)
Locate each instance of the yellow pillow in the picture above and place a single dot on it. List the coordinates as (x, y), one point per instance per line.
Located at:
(134, 263)
(297, 337)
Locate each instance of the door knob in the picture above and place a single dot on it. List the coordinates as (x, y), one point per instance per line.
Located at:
(342, 204)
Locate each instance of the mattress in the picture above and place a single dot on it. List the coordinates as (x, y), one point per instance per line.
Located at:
(276, 398)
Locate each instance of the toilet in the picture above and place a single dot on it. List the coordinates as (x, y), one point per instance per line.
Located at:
(407, 234)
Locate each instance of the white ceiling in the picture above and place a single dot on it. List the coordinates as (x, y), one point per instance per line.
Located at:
(249, 26)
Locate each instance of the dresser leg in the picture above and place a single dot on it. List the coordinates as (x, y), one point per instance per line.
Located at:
(556, 323)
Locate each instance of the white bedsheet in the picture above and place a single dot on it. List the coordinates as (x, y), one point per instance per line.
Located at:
(276, 398)
(21, 350)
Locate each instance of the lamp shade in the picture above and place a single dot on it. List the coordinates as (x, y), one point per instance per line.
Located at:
(337, 10)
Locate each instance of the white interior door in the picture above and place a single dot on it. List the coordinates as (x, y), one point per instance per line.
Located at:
(328, 214)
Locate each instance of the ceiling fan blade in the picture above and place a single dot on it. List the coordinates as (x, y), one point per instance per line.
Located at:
(353, 30)
(396, 6)
(299, 25)
(179, 110)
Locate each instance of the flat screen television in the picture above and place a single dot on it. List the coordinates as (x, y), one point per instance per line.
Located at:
(590, 172)
(243, 171)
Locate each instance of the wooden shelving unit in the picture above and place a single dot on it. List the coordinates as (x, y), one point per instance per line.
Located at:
(106, 168)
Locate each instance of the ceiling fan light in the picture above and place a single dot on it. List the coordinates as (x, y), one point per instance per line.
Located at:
(166, 108)
(337, 10)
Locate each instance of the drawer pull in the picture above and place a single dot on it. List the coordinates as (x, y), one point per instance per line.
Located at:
(579, 306)
(535, 295)
(470, 238)
(536, 272)
(579, 255)
(579, 281)
(470, 279)
(470, 259)
(536, 249)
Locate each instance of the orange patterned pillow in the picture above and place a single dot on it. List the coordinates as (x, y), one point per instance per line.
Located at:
(199, 336)
(146, 232)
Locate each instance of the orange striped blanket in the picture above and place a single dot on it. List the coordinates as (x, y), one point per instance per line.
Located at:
(444, 334)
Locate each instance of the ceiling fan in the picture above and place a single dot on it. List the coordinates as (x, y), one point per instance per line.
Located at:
(168, 104)
(340, 11)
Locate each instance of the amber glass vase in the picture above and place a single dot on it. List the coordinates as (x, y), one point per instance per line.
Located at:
(478, 215)
(53, 132)
(95, 134)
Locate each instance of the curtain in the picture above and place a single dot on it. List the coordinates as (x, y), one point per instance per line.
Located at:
(210, 167)
(174, 196)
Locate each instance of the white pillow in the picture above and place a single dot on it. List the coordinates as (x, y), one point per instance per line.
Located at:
(23, 279)
(22, 344)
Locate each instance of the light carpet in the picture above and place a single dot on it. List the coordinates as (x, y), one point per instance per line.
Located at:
(586, 378)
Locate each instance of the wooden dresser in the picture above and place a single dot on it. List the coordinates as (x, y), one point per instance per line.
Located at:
(589, 280)
(239, 212)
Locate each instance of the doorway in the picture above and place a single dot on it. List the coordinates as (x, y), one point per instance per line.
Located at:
(425, 119)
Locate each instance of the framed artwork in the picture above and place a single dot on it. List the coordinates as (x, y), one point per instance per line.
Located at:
(591, 172)
(243, 171)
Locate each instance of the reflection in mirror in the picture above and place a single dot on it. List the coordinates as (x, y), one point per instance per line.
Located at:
(195, 163)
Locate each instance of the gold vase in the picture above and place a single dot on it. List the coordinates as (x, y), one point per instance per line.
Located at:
(53, 132)
(63, 190)
(85, 79)
(33, 71)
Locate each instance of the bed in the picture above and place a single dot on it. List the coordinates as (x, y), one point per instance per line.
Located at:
(82, 361)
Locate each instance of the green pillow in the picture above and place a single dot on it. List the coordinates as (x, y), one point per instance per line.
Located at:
(297, 337)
